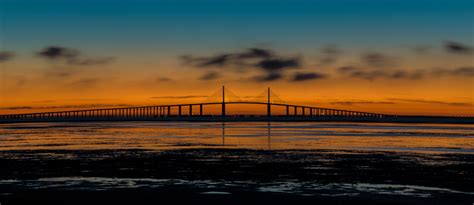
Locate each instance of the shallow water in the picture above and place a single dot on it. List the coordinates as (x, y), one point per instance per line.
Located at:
(440, 138)
(312, 161)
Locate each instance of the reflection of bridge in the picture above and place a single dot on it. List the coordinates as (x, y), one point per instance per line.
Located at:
(175, 112)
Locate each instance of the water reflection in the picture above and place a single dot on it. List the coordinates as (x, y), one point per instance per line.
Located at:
(268, 135)
(245, 135)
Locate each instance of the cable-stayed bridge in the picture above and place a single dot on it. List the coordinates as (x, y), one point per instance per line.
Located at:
(195, 111)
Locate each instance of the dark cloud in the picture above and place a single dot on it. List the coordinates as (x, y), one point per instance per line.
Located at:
(378, 60)
(90, 61)
(467, 71)
(423, 49)
(70, 56)
(58, 52)
(273, 65)
(349, 103)
(180, 97)
(457, 48)
(307, 76)
(268, 77)
(255, 53)
(164, 79)
(369, 75)
(386, 74)
(212, 75)
(347, 69)
(329, 55)
(402, 74)
(431, 102)
(6, 56)
(229, 59)
(264, 60)
(85, 82)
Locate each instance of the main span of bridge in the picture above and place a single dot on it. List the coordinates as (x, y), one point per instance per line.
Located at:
(175, 112)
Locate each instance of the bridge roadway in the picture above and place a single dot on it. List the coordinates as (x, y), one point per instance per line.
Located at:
(175, 112)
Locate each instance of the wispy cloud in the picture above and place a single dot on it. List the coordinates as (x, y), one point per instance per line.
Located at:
(457, 48)
(6, 56)
(431, 102)
(329, 55)
(298, 77)
(349, 103)
(70, 56)
(164, 79)
(378, 60)
(212, 75)
(264, 60)
(179, 97)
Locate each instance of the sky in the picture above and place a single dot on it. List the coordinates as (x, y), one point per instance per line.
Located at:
(390, 56)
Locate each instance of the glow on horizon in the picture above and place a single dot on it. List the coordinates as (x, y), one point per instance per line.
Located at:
(142, 44)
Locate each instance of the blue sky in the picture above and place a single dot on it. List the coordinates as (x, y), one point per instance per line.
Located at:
(106, 25)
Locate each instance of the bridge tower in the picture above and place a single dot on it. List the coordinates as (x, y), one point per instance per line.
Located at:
(223, 102)
(269, 109)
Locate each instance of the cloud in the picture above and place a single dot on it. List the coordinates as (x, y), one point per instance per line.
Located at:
(368, 75)
(431, 102)
(212, 75)
(57, 52)
(268, 77)
(403, 74)
(307, 76)
(330, 54)
(357, 72)
(164, 79)
(378, 60)
(6, 56)
(350, 103)
(229, 59)
(422, 49)
(70, 56)
(347, 69)
(85, 82)
(180, 97)
(467, 71)
(264, 60)
(86, 62)
(457, 48)
(275, 65)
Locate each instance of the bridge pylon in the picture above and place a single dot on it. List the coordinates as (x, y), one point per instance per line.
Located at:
(223, 101)
(269, 106)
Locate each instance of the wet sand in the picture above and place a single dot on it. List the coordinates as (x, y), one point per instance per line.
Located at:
(235, 176)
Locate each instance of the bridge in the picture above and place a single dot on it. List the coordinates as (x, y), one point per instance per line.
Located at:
(195, 112)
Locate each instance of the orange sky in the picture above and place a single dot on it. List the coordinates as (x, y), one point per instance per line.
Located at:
(38, 85)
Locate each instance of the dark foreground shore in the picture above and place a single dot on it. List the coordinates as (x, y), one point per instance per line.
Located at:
(234, 176)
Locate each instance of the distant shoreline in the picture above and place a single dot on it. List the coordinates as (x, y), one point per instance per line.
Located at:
(397, 119)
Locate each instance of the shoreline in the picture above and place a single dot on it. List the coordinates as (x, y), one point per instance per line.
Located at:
(238, 175)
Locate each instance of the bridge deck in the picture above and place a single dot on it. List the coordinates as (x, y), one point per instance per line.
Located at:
(170, 111)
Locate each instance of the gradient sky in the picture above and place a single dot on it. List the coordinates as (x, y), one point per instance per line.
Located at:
(405, 56)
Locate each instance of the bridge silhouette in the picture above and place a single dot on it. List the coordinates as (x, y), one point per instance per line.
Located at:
(175, 112)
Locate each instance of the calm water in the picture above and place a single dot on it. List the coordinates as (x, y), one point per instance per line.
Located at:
(425, 163)
(261, 136)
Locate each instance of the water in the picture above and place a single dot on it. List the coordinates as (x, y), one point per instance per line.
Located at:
(402, 163)
(157, 136)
